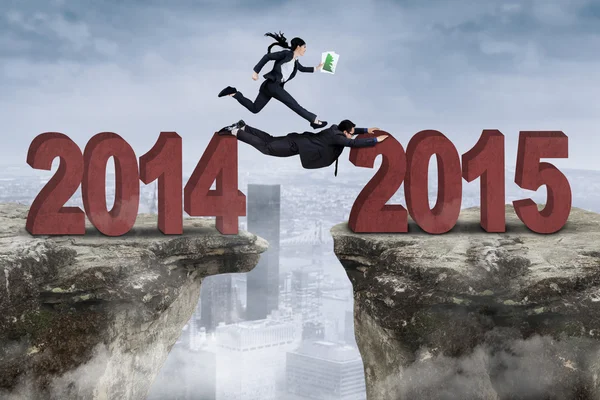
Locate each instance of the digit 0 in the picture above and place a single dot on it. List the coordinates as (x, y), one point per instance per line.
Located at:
(121, 218)
(47, 214)
(219, 162)
(164, 162)
(369, 211)
(445, 213)
(530, 174)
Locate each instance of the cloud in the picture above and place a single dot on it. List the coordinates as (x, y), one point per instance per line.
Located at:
(138, 68)
(530, 368)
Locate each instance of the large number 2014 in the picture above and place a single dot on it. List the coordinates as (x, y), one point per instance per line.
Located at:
(48, 216)
(485, 161)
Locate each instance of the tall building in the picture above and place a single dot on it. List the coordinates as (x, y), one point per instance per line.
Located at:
(191, 329)
(154, 201)
(349, 336)
(334, 308)
(218, 302)
(306, 293)
(322, 370)
(313, 331)
(285, 290)
(251, 357)
(263, 215)
(240, 286)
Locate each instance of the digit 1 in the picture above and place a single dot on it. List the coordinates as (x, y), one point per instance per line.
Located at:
(486, 161)
(121, 218)
(369, 212)
(530, 174)
(47, 216)
(227, 203)
(444, 215)
(164, 162)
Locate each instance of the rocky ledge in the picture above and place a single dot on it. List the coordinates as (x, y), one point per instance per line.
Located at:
(476, 315)
(94, 317)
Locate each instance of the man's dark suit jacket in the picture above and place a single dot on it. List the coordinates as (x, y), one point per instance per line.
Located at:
(280, 57)
(321, 149)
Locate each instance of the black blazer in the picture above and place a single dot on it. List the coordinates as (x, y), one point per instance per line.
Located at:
(280, 57)
(321, 149)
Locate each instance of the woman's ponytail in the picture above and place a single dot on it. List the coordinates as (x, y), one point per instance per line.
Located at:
(280, 41)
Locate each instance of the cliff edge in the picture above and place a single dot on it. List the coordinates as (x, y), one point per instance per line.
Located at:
(93, 316)
(476, 315)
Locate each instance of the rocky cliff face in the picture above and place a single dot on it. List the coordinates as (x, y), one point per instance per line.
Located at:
(94, 317)
(476, 315)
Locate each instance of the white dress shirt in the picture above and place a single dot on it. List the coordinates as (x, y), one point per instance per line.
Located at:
(287, 69)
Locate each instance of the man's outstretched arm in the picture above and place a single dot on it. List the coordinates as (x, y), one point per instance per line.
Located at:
(344, 141)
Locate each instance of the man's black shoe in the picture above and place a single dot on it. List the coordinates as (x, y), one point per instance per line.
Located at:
(227, 91)
(323, 124)
(226, 130)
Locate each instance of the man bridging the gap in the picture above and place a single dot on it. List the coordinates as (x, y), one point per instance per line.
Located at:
(316, 150)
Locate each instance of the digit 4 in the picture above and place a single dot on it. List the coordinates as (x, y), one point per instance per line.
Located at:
(218, 163)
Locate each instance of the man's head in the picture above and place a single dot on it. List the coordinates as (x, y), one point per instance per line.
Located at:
(347, 127)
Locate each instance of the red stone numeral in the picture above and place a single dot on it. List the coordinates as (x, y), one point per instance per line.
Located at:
(219, 162)
(530, 174)
(486, 161)
(47, 216)
(445, 213)
(121, 218)
(164, 162)
(369, 212)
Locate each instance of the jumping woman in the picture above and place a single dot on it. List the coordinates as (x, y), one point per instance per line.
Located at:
(284, 70)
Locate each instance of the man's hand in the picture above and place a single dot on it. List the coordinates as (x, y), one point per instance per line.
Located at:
(381, 138)
(318, 67)
(371, 130)
(254, 76)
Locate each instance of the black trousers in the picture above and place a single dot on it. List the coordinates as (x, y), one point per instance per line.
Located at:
(277, 146)
(269, 90)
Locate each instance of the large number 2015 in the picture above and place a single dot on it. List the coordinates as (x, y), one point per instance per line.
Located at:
(485, 161)
(163, 162)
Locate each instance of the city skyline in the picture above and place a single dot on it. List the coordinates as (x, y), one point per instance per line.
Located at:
(321, 303)
(259, 348)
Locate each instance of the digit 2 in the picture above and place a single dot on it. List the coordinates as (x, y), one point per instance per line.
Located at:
(369, 211)
(47, 215)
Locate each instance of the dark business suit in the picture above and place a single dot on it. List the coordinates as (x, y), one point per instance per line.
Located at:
(272, 87)
(316, 150)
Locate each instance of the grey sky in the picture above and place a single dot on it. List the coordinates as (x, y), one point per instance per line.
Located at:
(139, 67)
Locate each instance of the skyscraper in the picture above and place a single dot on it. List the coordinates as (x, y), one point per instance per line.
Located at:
(323, 370)
(349, 336)
(217, 302)
(251, 357)
(306, 293)
(263, 217)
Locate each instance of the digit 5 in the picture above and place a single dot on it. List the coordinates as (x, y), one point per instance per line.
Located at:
(531, 174)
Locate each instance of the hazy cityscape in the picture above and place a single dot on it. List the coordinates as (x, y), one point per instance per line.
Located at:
(284, 330)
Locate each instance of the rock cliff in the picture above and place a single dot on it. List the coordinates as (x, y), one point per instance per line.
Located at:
(94, 317)
(476, 315)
